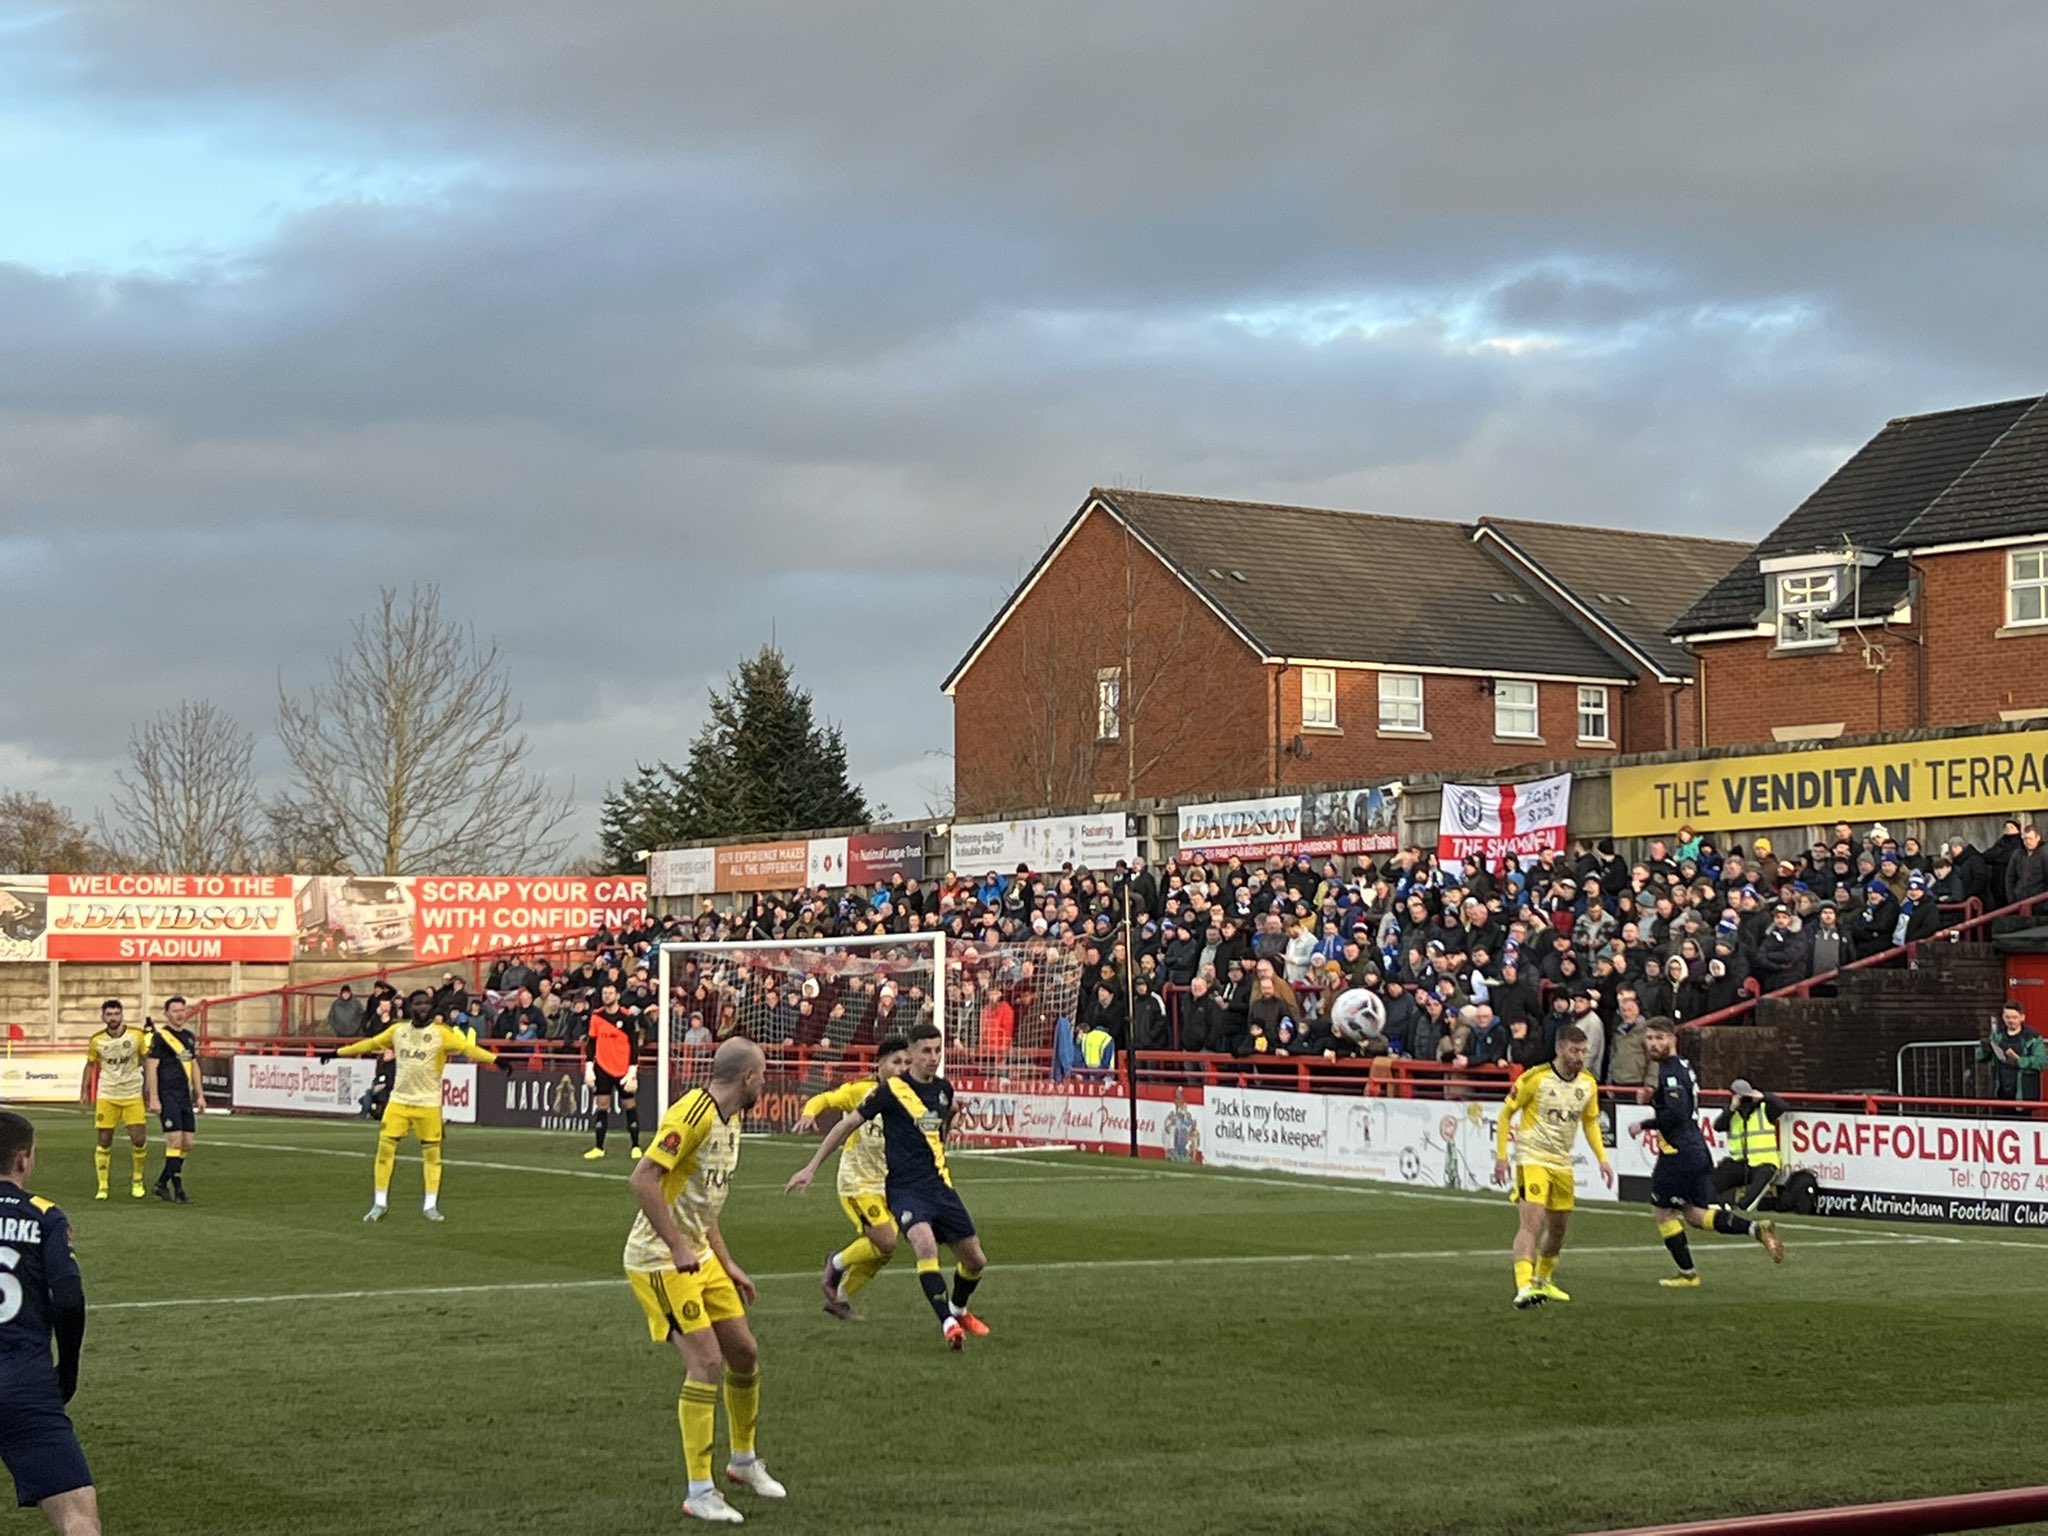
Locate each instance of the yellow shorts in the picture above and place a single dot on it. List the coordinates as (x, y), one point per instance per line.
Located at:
(1547, 1187)
(679, 1303)
(866, 1211)
(421, 1120)
(108, 1113)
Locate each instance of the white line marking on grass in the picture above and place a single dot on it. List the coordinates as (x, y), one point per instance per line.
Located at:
(1497, 1254)
(1068, 1176)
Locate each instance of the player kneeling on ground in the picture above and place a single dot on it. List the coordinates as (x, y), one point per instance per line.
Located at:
(1545, 1111)
(684, 1277)
(1682, 1183)
(41, 1299)
(915, 1110)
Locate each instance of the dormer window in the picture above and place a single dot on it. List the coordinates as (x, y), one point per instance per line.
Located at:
(1803, 596)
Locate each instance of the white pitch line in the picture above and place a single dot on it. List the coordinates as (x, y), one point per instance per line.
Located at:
(1422, 1255)
(1077, 1176)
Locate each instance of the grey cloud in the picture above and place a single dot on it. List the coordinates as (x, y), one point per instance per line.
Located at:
(824, 318)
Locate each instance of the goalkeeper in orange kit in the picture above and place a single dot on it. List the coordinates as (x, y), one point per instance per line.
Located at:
(611, 1071)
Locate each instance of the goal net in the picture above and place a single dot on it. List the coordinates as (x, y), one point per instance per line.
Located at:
(818, 1007)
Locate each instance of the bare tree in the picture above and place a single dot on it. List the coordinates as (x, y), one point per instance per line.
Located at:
(186, 802)
(299, 840)
(40, 837)
(411, 751)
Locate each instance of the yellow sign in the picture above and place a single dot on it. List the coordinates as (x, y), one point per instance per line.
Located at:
(1960, 776)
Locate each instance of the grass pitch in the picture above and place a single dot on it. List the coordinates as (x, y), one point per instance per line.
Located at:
(1175, 1350)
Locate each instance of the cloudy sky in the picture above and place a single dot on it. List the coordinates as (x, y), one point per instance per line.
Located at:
(650, 329)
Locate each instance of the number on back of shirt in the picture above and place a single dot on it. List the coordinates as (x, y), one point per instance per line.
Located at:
(10, 1288)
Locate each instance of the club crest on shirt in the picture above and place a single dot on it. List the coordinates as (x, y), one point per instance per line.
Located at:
(672, 1143)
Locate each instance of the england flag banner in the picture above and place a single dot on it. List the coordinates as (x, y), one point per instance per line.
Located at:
(1496, 820)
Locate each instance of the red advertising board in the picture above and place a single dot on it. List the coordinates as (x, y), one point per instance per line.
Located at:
(129, 918)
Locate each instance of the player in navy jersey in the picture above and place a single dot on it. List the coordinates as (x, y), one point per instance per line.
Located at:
(42, 1301)
(1681, 1183)
(915, 1110)
(176, 1096)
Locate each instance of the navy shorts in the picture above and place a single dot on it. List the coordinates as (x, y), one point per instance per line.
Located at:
(935, 1204)
(38, 1445)
(1681, 1179)
(178, 1115)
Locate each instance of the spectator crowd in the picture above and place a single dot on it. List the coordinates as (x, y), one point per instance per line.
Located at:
(1406, 957)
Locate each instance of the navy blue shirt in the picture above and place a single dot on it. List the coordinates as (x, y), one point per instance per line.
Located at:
(914, 1117)
(177, 1057)
(35, 1250)
(1676, 1100)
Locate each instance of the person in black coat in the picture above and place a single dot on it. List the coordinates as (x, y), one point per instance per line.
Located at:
(2026, 873)
(1201, 1018)
(1997, 857)
(1871, 929)
(1784, 953)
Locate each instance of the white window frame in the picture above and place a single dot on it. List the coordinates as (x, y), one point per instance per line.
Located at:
(1802, 596)
(1109, 703)
(1596, 705)
(1400, 710)
(1507, 714)
(2035, 585)
(1319, 703)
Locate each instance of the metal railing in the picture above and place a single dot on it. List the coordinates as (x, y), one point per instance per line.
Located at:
(1938, 1066)
(1970, 926)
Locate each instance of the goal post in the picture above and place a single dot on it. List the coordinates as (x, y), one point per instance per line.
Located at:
(793, 992)
(818, 1006)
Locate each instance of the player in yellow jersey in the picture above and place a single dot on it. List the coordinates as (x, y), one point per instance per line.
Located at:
(421, 1046)
(691, 1291)
(114, 1056)
(863, 1182)
(1545, 1111)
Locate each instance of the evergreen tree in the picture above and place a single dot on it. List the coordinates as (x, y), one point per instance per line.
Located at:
(762, 765)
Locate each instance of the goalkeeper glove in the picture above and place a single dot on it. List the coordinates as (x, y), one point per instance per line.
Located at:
(505, 1063)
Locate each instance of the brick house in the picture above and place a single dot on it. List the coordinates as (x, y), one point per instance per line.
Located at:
(1174, 645)
(1911, 589)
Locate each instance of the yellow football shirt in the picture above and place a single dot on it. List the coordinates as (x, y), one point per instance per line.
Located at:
(119, 1058)
(1545, 1114)
(699, 1151)
(422, 1050)
(863, 1156)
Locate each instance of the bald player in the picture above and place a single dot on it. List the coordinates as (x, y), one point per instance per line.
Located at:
(690, 1290)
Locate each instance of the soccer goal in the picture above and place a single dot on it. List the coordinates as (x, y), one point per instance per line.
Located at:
(818, 1006)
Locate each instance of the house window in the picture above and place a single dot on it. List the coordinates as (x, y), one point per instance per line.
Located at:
(1514, 709)
(1400, 701)
(2026, 586)
(1319, 697)
(1109, 703)
(1593, 713)
(1803, 596)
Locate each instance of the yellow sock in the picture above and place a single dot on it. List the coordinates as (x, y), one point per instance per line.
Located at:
(742, 1409)
(387, 1159)
(430, 1163)
(138, 1158)
(697, 1411)
(859, 1262)
(102, 1163)
(1546, 1265)
(1524, 1274)
(1669, 1227)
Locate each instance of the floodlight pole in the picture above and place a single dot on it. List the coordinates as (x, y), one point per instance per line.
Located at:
(1131, 1011)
